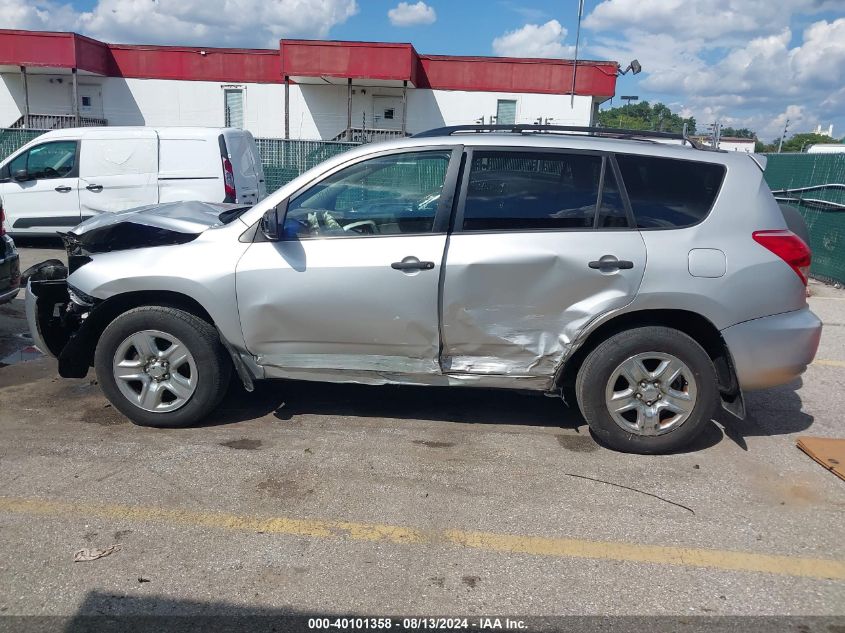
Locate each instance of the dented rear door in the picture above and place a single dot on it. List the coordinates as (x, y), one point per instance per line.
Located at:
(535, 256)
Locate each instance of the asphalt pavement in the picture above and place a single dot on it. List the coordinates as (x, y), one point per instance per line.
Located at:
(343, 499)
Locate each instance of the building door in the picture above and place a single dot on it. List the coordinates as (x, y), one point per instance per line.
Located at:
(505, 112)
(387, 112)
(90, 101)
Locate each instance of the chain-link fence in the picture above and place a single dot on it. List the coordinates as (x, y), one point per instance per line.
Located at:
(815, 184)
(11, 139)
(284, 160)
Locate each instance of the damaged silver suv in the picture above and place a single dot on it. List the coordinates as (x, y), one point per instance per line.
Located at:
(649, 282)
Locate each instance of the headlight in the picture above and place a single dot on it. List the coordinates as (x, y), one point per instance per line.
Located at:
(80, 298)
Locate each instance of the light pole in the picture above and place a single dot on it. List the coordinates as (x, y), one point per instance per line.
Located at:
(782, 136)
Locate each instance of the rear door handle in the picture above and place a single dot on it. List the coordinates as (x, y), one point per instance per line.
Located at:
(63, 189)
(412, 265)
(94, 187)
(609, 261)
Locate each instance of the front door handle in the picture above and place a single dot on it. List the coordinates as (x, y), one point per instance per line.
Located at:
(412, 265)
(63, 189)
(94, 187)
(610, 262)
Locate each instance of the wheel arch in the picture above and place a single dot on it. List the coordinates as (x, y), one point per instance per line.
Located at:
(696, 326)
(78, 355)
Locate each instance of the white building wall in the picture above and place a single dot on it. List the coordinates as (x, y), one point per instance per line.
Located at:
(316, 111)
(435, 108)
(737, 146)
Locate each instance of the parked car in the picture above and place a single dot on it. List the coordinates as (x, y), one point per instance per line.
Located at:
(10, 266)
(66, 176)
(649, 283)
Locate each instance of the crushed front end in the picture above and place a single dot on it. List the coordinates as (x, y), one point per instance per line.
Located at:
(56, 312)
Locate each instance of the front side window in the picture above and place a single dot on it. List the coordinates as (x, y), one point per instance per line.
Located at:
(389, 195)
(669, 193)
(49, 160)
(531, 190)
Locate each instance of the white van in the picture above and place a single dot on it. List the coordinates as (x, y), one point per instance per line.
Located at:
(63, 177)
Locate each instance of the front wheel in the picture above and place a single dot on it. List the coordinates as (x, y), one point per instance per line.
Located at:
(161, 366)
(648, 390)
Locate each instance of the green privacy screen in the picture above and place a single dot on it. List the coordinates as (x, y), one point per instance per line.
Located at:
(815, 184)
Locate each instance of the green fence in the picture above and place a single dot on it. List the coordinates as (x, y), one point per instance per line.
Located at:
(12, 139)
(815, 184)
(285, 160)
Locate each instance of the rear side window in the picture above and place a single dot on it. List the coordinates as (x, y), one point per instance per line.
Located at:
(531, 190)
(666, 193)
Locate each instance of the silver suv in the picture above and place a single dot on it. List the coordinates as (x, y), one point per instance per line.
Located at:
(648, 282)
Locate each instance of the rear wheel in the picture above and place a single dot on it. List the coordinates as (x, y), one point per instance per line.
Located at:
(161, 366)
(647, 390)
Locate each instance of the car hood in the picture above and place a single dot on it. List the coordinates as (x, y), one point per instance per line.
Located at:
(182, 217)
(153, 225)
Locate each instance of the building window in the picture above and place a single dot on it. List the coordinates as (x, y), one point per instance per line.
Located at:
(233, 99)
(505, 112)
(388, 113)
(86, 102)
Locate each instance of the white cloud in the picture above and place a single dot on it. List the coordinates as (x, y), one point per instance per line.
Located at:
(738, 61)
(15, 14)
(406, 14)
(533, 40)
(716, 21)
(249, 23)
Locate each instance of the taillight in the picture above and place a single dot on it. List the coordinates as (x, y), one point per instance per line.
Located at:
(229, 181)
(2, 221)
(789, 247)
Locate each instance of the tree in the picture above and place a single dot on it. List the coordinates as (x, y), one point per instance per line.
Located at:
(742, 132)
(800, 142)
(644, 116)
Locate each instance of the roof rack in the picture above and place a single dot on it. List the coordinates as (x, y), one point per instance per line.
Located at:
(609, 132)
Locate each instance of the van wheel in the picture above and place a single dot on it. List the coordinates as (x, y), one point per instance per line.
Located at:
(647, 390)
(161, 366)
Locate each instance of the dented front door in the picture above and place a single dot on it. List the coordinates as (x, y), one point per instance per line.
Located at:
(536, 263)
(353, 285)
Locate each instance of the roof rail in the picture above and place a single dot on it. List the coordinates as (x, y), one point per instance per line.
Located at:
(610, 132)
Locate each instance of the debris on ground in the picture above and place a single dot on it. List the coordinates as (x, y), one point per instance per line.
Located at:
(89, 554)
(827, 451)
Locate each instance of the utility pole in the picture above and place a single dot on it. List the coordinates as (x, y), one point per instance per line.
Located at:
(575, 61)
(783, 136)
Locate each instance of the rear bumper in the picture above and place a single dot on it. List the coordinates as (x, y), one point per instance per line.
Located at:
(773, 350)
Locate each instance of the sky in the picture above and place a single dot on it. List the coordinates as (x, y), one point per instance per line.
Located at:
(744, 63)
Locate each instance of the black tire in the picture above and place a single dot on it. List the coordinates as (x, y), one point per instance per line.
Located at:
(214, 367)
(596, 371)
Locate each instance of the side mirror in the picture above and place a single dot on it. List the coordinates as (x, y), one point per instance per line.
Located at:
(271, 223)
(20, 175)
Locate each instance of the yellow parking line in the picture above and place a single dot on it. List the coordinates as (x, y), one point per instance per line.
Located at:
(829, 363)
(533, 545)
